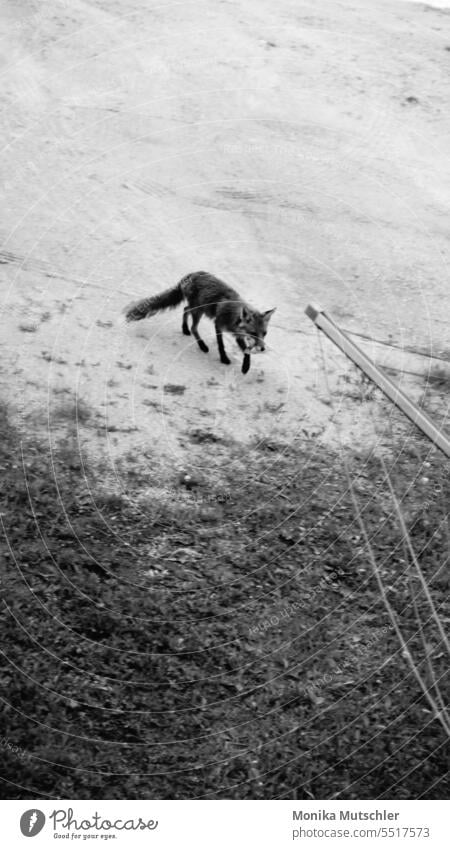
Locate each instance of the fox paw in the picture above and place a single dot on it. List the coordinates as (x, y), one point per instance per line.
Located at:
(203, 347)
(186, 330)
(225, 361)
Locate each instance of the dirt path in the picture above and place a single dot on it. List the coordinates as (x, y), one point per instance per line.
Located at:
(298, 152)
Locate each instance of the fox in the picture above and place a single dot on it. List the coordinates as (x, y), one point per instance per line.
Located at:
(206, 295)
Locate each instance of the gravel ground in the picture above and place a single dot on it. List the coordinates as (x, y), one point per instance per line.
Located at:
(300, 154)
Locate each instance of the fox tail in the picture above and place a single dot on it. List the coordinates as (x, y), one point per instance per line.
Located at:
(168, 299)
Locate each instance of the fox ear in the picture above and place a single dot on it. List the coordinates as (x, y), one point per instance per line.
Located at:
(268, 315)
(245, 314)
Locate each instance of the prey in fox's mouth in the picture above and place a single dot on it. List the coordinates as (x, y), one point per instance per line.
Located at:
(250, 346)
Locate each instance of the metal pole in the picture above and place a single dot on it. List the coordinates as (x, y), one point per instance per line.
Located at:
(393, 392)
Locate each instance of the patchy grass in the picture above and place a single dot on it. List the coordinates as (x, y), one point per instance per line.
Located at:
(174, 388)
(439, 379)
(227, 647)
(199, 436)
(28, 327)
(75, 412)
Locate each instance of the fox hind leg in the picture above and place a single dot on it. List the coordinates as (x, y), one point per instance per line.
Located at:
(196, 316)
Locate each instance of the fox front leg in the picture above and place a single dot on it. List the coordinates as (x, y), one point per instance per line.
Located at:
(222, 353)
(246, 361)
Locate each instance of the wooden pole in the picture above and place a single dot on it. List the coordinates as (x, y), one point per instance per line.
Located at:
(393, 392)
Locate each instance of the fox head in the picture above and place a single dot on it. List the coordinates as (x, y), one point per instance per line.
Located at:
(253, 326)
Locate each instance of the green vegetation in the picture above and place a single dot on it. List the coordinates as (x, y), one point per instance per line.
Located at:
(225, 641)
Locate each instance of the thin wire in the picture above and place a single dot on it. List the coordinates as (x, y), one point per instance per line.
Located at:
(440, 715)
